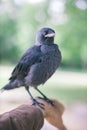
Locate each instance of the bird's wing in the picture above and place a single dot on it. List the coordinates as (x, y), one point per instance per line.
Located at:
(29, 58)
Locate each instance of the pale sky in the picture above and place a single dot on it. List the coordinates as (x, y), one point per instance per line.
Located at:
(57, 4)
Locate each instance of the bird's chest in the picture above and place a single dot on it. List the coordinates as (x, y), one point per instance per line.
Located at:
(51, 57)
(50, 62)
(46, 68)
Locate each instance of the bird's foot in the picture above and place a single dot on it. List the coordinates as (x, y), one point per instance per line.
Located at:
(35, 102)
(47, 100)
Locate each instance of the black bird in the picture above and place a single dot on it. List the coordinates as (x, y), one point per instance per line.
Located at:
(37, 64)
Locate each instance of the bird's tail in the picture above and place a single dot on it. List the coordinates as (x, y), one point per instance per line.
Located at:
(6, 87)
(12, 85)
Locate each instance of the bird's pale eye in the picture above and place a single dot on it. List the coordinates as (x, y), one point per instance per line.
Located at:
(45, 33)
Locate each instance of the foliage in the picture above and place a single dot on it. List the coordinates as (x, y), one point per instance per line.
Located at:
(8, 48)
(19, 23)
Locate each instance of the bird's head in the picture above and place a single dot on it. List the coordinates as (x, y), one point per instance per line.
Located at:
(45, 36)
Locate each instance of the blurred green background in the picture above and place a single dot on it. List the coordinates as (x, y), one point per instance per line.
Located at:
(19, 22)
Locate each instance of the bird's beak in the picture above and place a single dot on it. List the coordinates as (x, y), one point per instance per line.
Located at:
(50, 35)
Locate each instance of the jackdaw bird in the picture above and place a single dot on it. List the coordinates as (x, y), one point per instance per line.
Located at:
(37, 64)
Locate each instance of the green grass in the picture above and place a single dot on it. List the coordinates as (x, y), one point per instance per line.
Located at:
(66, 95)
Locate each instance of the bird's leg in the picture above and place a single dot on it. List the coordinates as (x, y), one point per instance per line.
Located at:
(34, 100)
(44, 97)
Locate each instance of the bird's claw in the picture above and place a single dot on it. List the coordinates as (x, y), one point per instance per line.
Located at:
(47, 100)
(35, 102)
